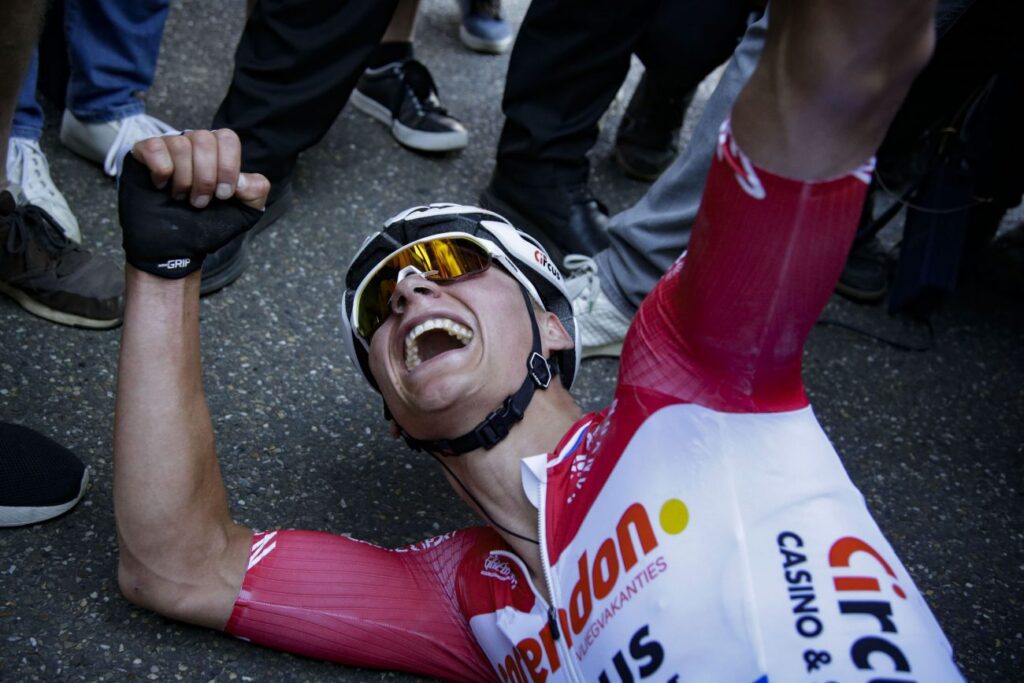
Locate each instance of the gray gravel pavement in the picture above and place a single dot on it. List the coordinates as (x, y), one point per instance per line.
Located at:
(933, 439)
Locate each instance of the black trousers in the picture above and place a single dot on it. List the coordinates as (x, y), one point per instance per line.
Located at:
(571, 57)
(295, 67)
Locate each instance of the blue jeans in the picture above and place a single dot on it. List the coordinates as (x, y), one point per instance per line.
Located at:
(112, 51)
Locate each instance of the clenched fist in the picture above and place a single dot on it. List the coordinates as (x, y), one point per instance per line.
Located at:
(183, 197)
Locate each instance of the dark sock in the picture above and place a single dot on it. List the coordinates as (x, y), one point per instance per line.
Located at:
(386, 53)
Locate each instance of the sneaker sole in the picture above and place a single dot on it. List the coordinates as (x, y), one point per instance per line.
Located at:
(409, 137)
(613, 350)
(477, 44)
(218, 280)
(55, 316)
(21, 516)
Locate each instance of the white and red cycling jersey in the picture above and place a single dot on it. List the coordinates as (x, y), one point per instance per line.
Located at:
(700, 529)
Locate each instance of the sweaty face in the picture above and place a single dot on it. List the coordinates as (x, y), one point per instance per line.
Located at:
(449, 354)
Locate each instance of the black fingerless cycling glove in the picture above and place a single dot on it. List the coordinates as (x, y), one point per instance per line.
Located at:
(169, 238)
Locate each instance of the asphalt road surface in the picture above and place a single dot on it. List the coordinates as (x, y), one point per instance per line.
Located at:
(933, 439)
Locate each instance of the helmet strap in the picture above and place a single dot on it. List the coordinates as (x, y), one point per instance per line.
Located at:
(496, 426)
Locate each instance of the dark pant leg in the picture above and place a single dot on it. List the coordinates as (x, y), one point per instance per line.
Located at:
(690, 38)
(569, 59)
(647, 238)
(295, 67)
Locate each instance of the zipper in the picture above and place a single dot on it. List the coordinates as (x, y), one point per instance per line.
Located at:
(560, 644)
(553, 622)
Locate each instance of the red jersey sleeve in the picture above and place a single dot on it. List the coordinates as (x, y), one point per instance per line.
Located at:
(725, 327)
(335, 598)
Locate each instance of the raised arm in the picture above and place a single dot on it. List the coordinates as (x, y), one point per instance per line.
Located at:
(783, 198)
(181, 554)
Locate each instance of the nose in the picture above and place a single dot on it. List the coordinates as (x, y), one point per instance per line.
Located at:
(410, 286)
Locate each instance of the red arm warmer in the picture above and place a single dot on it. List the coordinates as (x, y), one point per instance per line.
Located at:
(765, 255)
(335, 598)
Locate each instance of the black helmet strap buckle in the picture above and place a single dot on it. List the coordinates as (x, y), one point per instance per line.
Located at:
(496, 426)
(539, 369)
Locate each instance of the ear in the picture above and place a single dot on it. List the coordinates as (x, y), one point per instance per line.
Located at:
(553, 335)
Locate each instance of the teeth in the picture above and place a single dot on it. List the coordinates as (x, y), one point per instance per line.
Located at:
(454, 329)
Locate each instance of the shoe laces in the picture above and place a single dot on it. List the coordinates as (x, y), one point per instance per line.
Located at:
(27, 167)
(27, 224)
(417, 79)
(583, 285)
(487, 9)
(130, 130)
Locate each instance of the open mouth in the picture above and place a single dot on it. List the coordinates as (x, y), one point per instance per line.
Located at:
(433, 337)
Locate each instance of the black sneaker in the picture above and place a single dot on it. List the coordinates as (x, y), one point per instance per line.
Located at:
(648, 137)
(39, 478)
(51, 276)
(566, 219)
(402, 95)
(865, 276)
(227, 264)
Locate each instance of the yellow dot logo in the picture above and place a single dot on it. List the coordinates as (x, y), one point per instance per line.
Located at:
(674, 516)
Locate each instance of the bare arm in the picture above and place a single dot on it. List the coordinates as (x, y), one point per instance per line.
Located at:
(181, 554)
(829, 82)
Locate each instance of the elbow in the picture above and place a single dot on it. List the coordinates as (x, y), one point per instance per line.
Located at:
(157, 582)
(143, 588)
(181, 600)
(198, 585)
(130, 584)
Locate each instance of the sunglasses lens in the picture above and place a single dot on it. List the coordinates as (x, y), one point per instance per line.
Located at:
(441, 260)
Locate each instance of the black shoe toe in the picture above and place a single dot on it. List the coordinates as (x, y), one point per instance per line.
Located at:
(224, 266)
(566, 219)
(227, 264)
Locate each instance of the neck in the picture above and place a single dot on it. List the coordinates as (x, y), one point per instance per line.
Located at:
(494, 476)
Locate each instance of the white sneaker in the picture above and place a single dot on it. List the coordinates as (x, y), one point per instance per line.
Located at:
(602, 326)
(106, 143)
(27, 167)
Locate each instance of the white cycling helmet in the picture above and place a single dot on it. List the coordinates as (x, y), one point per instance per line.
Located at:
(517, 253)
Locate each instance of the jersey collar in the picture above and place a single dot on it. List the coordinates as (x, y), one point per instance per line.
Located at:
(534, 469)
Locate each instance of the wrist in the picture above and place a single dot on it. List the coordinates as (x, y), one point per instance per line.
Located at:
(139, 281)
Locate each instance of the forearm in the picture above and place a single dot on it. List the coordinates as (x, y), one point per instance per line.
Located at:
(173, 521)
(829, 82)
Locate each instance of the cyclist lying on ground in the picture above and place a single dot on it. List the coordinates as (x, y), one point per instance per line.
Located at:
(701, 528)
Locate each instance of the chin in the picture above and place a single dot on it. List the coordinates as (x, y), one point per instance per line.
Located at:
(444, 410)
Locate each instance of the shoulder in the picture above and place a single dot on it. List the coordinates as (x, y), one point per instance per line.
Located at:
(490, 576)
